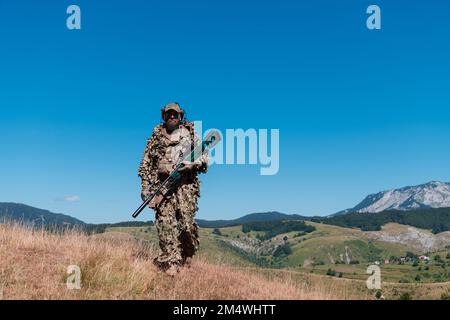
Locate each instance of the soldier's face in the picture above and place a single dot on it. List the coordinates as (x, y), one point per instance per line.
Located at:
(172, 119)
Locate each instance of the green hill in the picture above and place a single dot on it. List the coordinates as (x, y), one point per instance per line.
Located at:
(435, 219)
(40, 217)
(28, 214)
(253, 217)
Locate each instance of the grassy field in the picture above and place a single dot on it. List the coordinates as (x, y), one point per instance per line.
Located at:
(331, 245)
(117, 265)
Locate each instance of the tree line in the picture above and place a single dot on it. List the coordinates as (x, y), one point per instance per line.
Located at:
(438, 220)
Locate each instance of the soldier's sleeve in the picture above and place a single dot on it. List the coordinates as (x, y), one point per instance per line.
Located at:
(147, 170)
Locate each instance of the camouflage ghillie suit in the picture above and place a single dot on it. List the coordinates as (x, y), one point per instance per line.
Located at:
(175, 213)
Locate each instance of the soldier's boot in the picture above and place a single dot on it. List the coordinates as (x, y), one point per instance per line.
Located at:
(165, 260)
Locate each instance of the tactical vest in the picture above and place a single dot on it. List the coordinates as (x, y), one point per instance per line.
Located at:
(173, 147)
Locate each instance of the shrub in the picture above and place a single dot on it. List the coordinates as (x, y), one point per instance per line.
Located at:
(411, 255)
(378, 294)
(331, 272)
(299, 234)
(445, 296)
(405, 296)
(283, 250)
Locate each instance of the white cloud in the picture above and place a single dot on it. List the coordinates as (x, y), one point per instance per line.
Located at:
(74, 198)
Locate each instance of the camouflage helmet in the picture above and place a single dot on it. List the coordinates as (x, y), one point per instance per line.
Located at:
(172, 106)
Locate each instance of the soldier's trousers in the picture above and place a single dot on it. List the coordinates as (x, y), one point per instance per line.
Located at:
(177, 230)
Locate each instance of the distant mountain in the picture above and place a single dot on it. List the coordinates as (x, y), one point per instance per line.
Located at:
(253, 217)
(434, 194)
(39, 217)
(27, 214)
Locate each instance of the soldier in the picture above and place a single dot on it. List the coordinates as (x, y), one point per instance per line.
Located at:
(175, 210)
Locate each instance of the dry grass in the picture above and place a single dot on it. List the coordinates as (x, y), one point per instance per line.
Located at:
(33, 265)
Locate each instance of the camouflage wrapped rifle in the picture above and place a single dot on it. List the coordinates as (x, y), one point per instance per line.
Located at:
(211, 140)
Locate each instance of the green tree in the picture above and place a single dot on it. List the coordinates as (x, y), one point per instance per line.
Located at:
(331, 272)
(283, 250)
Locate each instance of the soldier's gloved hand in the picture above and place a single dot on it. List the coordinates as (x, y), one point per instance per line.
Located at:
(145, 193)
(187, 166)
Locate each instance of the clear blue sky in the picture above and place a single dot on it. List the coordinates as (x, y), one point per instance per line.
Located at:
(359, 111)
